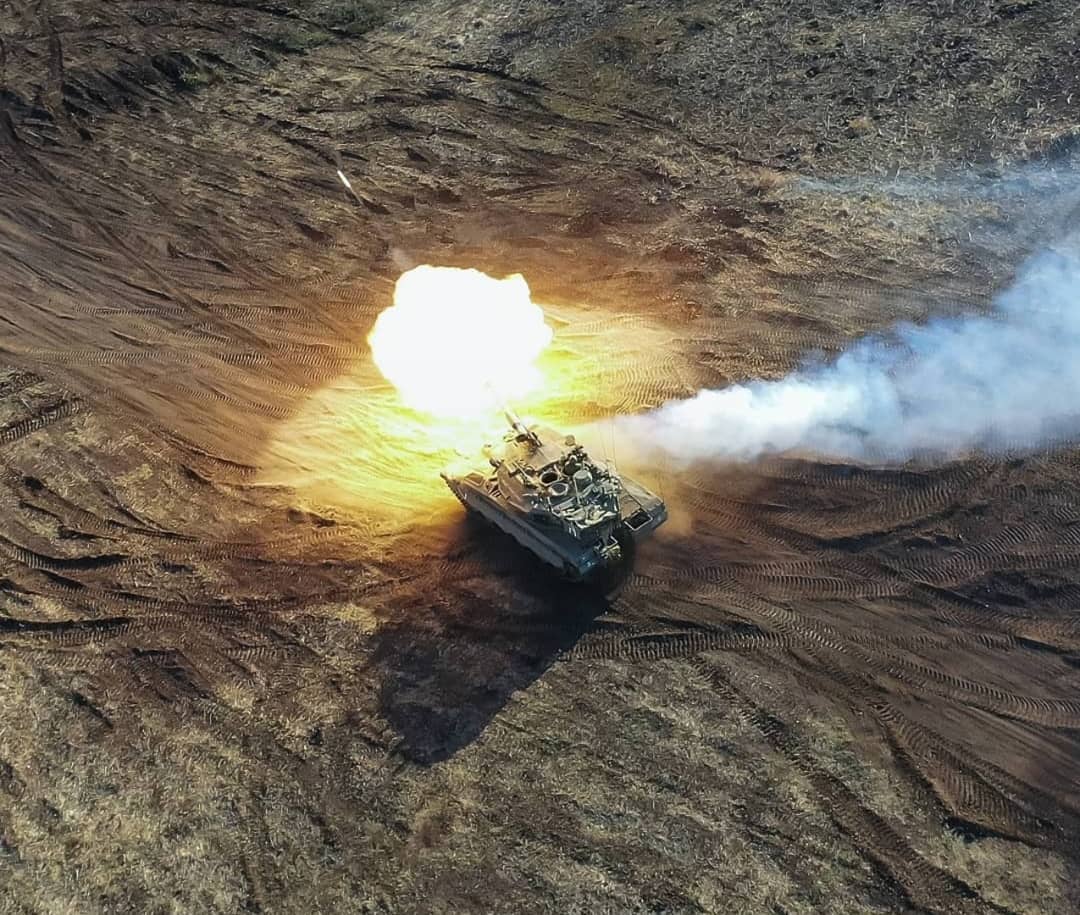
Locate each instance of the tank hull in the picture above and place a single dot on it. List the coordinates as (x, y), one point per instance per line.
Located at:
(562, 553)
(578, 516)
(606, 559)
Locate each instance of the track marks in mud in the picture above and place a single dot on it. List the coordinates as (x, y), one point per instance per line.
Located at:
(38, 421)
(928, 887)
(122, 580)
(853, 580)
(973, 792)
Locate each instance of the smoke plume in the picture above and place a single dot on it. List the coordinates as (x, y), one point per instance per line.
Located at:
(1001, 381)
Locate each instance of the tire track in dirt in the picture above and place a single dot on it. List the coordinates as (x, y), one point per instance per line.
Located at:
(11, 434)
(928, 887)
(768, 609)
(973, 792)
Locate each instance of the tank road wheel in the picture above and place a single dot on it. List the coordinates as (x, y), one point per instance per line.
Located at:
(611, 579)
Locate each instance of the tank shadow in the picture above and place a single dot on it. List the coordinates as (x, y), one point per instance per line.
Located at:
(454, 660)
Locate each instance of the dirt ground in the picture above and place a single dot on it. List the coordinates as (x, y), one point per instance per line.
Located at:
(251, 656)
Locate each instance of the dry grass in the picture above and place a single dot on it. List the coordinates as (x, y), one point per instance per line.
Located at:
(406, 738)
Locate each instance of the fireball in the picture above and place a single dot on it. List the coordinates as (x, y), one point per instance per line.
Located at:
(458, 343)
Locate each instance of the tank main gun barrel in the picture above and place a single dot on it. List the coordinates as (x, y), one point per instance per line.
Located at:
(518, 426)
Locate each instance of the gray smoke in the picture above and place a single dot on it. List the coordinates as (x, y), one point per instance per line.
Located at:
(1004, 381)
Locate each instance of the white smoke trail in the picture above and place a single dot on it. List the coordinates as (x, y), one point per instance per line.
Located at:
(1006, 380)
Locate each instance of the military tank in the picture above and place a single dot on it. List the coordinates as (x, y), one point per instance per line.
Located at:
(545, 492)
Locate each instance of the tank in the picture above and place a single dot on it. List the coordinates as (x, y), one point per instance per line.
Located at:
(543, 490)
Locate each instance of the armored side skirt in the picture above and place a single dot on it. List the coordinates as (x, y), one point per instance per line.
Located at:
(576, 560)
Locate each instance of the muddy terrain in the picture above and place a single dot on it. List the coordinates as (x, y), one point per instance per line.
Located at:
(252, 658)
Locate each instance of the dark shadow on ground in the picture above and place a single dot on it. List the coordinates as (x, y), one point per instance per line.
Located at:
(490, 629)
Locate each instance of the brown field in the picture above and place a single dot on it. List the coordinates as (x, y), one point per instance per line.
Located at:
(251, 656)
